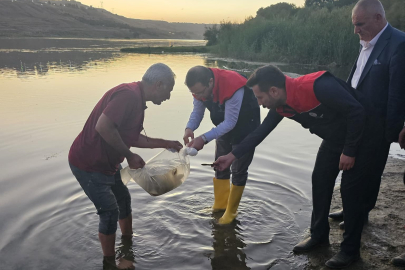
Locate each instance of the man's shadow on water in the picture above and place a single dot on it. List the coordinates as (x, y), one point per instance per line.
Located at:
(228, 246)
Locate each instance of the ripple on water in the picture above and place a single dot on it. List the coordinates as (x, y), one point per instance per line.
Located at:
(47, 222)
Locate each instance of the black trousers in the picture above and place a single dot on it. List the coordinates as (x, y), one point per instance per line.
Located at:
(372, 187)
(355, 184)
(239, 167)
(374, 180)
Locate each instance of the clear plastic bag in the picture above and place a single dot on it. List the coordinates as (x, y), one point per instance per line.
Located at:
(162, 173)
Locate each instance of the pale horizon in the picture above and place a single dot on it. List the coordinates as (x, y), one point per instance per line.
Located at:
(209, 11)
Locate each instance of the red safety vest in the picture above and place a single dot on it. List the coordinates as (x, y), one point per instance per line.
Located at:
(226, 83)
(300, 94)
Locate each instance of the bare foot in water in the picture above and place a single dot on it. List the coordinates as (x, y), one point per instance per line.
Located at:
(125, 264)
(109, 263)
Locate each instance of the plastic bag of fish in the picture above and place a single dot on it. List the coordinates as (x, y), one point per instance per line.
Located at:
(161, 174)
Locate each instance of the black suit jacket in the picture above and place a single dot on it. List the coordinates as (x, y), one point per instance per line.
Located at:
(383, 80)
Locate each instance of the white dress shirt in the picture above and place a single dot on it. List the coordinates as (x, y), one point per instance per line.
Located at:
(367, 48)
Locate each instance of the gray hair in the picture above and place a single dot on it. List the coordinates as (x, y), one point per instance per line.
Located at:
(371, 7)
(159, 72)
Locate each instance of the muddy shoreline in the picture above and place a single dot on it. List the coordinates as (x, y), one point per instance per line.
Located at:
(383, 237)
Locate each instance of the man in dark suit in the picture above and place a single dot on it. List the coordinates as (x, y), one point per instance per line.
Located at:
(379, 73)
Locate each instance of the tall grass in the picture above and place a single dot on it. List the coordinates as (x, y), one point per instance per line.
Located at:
(308, 36)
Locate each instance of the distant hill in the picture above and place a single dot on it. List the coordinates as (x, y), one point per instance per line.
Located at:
(39, 18)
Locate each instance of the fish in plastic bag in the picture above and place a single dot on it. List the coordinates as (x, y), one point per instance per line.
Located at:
(162, 173)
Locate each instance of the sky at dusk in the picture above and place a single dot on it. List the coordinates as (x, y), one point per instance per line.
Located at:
(196, 11)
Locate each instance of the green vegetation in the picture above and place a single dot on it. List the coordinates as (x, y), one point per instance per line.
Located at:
(159, 50)
(211, 35)
(319, 33)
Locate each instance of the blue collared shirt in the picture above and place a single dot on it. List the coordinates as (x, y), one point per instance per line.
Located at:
(232, 109)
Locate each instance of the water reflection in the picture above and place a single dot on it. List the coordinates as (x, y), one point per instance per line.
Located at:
(228, 244)
(92, 44)
(23, 64)
(38, 57)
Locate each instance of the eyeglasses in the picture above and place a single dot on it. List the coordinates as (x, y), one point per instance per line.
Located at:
(201, 92)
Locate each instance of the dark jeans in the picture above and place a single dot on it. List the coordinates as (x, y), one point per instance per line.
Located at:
(108, 194)
(239, 167)
(354, 186)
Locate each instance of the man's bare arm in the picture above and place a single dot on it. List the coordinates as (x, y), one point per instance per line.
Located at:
(108, 131)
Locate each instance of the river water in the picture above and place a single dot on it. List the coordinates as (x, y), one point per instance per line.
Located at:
(48, 89)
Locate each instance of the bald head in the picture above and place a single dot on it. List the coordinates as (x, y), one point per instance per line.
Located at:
(370, 7)
(368, 18)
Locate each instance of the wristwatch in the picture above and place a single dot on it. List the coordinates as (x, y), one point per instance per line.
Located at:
(204, 139)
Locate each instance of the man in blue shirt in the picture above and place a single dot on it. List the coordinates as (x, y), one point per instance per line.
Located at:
(235, 112)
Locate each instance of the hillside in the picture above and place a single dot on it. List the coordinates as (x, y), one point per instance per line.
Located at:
(36, 18)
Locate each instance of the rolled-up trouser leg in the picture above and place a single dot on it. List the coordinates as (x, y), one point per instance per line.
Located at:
(323, 181)
(108, 222)
(122, 196)
(98, 188)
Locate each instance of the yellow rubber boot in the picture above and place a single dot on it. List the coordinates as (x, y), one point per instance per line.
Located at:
(221, 194)
(233, 204)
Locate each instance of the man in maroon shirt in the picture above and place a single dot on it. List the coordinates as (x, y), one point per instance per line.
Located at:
(112, 128)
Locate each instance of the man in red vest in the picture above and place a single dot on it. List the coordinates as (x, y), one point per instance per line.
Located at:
(234, 112)
(337, 113)
(112, 128)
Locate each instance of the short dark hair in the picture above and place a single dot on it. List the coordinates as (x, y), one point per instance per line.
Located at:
(198, 74)
(266, 77)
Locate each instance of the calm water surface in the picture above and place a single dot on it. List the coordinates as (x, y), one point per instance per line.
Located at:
(49, 88)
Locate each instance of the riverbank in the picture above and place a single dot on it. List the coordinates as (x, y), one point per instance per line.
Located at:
(384, 236)
(170, 49)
